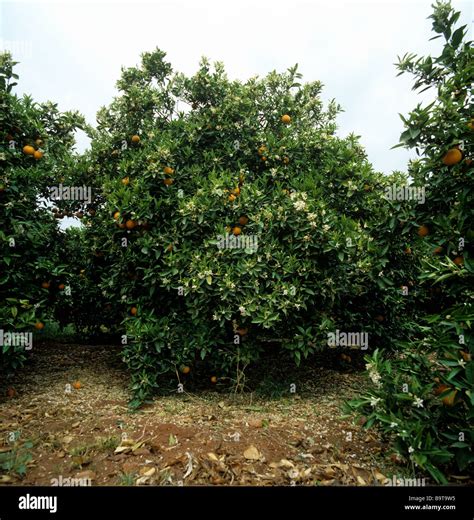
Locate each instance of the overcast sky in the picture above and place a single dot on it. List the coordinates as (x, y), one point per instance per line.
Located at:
(72, 52)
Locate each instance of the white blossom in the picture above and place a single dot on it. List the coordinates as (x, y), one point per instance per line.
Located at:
(374, 401)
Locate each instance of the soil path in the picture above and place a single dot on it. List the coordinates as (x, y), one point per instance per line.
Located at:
(209, 437)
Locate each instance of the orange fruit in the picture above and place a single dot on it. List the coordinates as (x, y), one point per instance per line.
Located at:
(449, 399)
(126, 181)
(168, 170)
(237, 230)
(77, 385)
(117, 215)
(264, 158)
(232, 198)
(423, 231)
(122, 225)
(262, 149)
(452, 156)
(440, 389)
(39, 142)
(408, 251)
(11, 392)
(437, 250)
(168, 182)
(38, 155)
(130, 224)
(61, 287)
(242, 332)
(135, 139)
(28, 150)
(459, 260)
(243, 221)
(213, 380)
(236, 191)
(133, 311)
(45, 285)
(185, 369)
(286, 119)
(39, 325)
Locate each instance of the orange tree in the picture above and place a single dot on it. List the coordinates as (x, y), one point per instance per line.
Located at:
(80, 301)
(233, 221)
(35, 145)
(423, 397)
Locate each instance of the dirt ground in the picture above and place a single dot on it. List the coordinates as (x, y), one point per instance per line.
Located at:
(208, 437)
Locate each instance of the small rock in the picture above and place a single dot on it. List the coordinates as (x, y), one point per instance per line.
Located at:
(251, 453)
(142, 451)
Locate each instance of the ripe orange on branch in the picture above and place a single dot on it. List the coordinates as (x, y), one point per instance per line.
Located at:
(130, 224)
(39, 325)
(77, 385)
(133, 311)
(168, 182)
(135, 139)
(286, 119)
(243, 220)
(168, 170)
(38, 155)
(423, 231)
(126, 181)
(459, 260)
(28, 150)
(449, 399)
(185, 369)
(452, 157)
(237, 230)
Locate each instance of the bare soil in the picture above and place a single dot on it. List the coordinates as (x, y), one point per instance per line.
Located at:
(209, 437)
